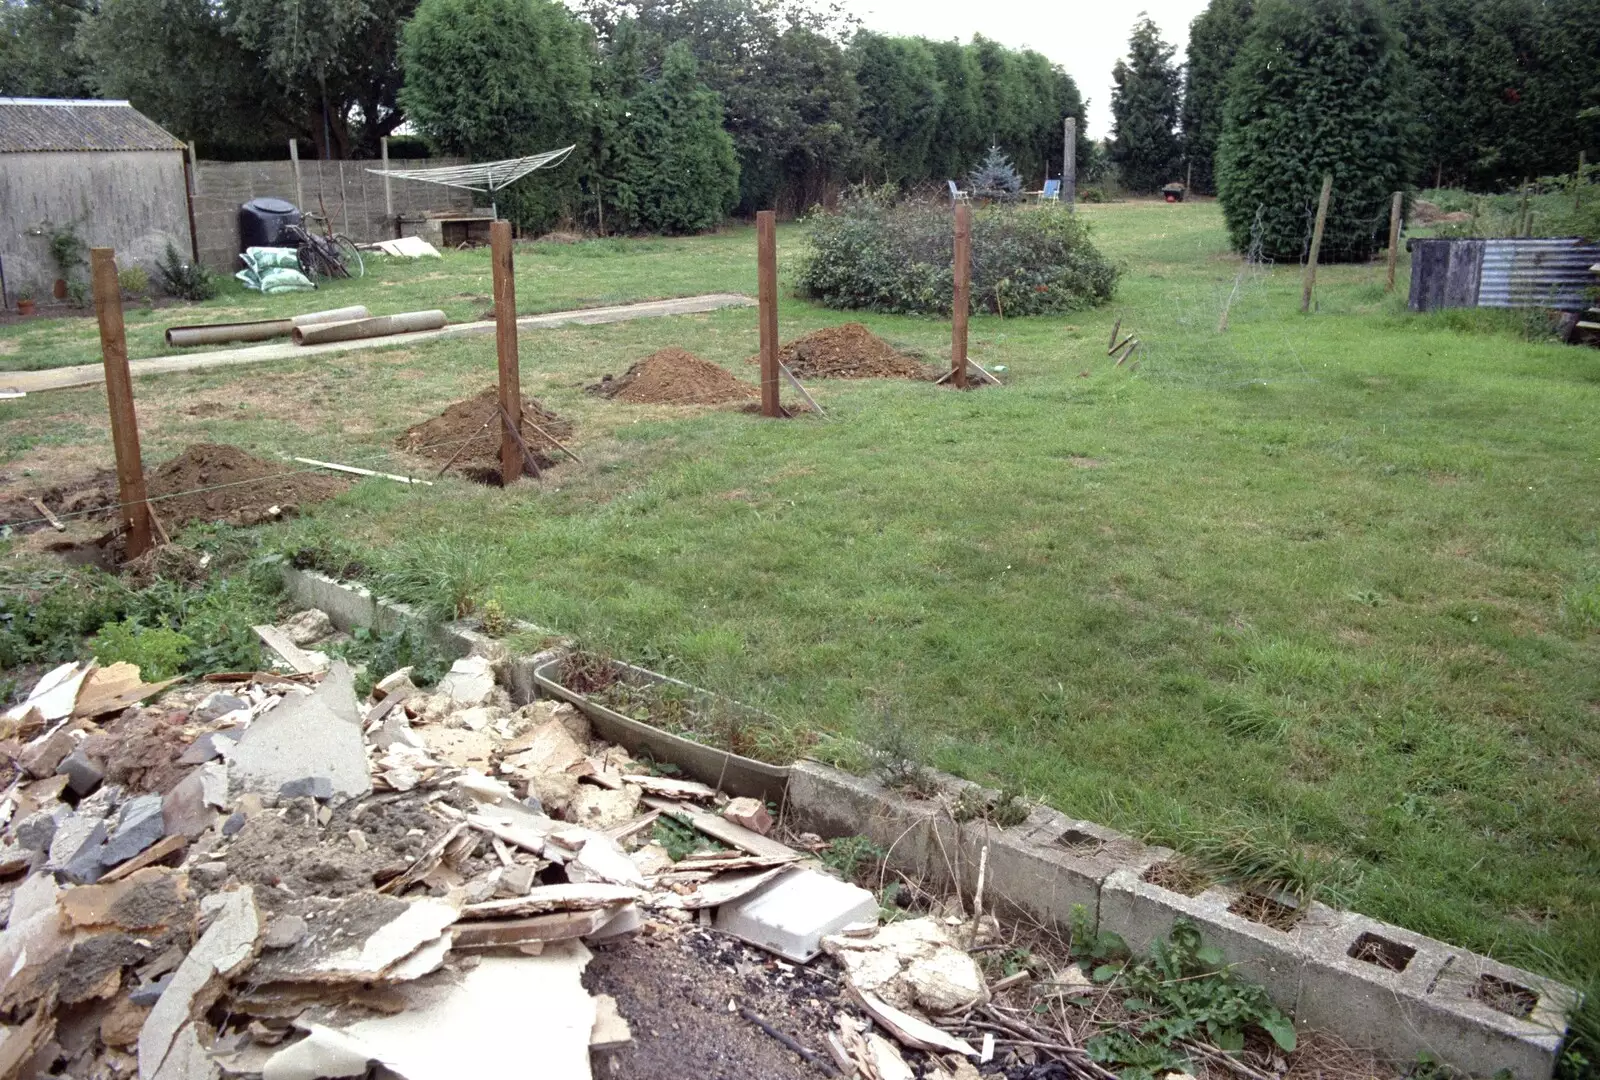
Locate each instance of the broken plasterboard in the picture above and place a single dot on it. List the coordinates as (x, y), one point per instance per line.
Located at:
(409, 247)
(521, 1015)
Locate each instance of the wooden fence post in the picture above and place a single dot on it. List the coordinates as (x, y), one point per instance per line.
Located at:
(190, 178)
(1394, 236)
(388, 192)
(1316, 243)
(505, 347)
(767, 291)
(299, 188)
(135, 509)
(1069, 164)
(963, 295)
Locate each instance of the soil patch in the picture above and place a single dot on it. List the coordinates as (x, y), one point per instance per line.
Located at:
(675, 377)
(850, 351)
(469, 432)
(92, 496)
(674, 988)
(210, 482)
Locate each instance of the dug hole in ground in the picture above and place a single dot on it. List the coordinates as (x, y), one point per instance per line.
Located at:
(261, 874)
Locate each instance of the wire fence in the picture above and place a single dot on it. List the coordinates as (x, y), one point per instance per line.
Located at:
(377, 457)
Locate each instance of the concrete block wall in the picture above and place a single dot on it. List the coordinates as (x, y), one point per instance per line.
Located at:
(353, 197)
(1374, 985)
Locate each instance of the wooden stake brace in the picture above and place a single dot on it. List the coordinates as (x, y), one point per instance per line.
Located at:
(510, 426)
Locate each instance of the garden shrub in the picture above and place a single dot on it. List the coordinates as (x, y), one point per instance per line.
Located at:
(877, 254)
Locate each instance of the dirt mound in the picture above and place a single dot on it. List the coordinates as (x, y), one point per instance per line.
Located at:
(675, 377)
(469, 432)
(208, 482)
(1427, 213)
(850, 351)
(91, 497)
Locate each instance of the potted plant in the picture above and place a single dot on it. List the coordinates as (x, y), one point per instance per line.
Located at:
(25, 300)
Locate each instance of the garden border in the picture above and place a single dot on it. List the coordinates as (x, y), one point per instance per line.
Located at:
(1403, 995)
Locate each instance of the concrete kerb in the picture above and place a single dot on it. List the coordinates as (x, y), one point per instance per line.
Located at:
(1374, 985)
(1051, 867)
(1414, 995)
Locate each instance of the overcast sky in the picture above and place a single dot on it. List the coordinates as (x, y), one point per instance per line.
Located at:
(1084, 38)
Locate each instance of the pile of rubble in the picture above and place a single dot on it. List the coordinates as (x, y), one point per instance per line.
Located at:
(262, 875)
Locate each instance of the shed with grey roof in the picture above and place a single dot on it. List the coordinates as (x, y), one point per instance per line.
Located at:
(101, 169)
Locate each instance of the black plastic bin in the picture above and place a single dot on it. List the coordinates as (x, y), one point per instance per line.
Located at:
(262, 223)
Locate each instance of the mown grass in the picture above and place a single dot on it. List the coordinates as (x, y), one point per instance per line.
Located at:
(1315, 595)
(550, 277)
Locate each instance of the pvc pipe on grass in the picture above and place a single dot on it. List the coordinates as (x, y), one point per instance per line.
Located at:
(260, 329)
(409, 322)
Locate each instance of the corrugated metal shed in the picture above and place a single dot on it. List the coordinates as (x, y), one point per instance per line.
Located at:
(44, 125)
(1508, 273)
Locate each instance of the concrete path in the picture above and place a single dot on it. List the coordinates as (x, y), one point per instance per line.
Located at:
(34, 382)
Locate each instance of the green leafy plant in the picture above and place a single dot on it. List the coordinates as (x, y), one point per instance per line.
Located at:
(1006, 809)
(160, 653)
(78, 293)
(681, 839)
(897, 756)
(1183, 992)
(879, 253)
(68, 250)
(134, 281)
(381, 652)
(183, 279)
(849, 856)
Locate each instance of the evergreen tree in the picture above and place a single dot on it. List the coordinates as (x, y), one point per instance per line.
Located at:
(962, 134)
(1215, 37)
(995, 177)
(901, 96)
(1144, 111)
(682, 173)
(499, 78)
(1317, 88)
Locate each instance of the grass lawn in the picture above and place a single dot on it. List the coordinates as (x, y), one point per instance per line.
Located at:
(1323, 585)
(554, 277)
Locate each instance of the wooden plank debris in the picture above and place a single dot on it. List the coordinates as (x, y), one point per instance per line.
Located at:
(509, 933)
(292, 654)
(911, 1032)
(357, 471)
(425, 862)
(55, 522)
(548, 898)
(167, 845)
(718, 828)
(670, 787)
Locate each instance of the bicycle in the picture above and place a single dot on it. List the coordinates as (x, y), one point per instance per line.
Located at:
(330, 256)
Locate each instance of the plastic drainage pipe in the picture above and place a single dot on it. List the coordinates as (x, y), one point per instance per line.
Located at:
(260, 330)
(409, 322)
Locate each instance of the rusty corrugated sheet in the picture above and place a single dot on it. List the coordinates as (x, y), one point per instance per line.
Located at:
(1506, 273)
(1537, 273)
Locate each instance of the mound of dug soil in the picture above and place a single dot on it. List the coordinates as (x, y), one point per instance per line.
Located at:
(469, 432)
(675, 377)
(850, 351)
(208, 482)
